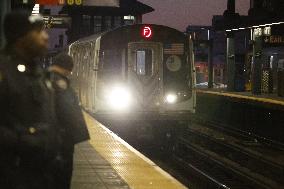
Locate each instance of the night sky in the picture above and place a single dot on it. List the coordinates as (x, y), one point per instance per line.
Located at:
(181, 13)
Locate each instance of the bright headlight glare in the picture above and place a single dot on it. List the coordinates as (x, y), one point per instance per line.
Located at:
(171, 98)
(119, 98)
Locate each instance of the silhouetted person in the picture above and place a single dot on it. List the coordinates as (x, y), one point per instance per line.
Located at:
(28, 133)
(71, 122)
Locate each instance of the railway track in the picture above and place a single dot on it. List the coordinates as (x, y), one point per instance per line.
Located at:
(229, 159)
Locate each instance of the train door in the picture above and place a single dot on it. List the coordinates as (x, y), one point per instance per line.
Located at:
(145, 75)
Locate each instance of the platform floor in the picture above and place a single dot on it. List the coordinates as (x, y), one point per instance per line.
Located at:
(108, 162)
(271, 99)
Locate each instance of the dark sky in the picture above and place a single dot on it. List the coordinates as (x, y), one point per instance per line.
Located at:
(180, 13)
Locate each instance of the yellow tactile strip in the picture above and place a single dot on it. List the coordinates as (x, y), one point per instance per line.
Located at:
(136, 170)
(259, 99)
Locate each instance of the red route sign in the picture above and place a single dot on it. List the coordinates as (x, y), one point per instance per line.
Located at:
(48, 2)
(147, 32)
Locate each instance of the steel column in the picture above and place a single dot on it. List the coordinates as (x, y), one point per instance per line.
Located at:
(210, 64)
(256, 67)
(230, 59)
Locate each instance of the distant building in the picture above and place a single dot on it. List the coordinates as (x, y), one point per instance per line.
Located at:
(88, 20)
(202, 35)
(262, 29)
(68, 23)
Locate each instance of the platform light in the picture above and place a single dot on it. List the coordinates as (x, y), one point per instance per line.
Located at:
(256, 26)
(129, 17)
(21, 68)
(119, 98)
(171, 98)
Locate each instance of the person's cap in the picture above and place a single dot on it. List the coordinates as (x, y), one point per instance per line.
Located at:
(18, 23)
(64, 61)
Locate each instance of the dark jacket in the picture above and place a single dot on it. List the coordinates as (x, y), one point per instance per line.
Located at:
(69, 113)
(71, 124)
(28, 133)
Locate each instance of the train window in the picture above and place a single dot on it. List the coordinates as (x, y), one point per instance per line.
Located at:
(144, 62)
(173, 63)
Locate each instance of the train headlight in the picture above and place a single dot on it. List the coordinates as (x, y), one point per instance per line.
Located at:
(119, 98)
(171, 98)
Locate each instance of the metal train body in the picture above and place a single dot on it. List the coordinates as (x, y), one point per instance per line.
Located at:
(135, 70)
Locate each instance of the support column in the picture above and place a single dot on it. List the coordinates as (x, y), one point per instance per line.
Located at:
(210, 64)
(112, 22)
(256, 67)
(92, 25)
(103, 24)
(138, 19)
(231, 66)
(74, 33)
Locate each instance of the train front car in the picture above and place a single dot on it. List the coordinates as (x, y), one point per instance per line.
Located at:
(142, 71)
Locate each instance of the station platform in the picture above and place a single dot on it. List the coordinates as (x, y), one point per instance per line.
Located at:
(257, 115)
(268, 100)
(108, 162)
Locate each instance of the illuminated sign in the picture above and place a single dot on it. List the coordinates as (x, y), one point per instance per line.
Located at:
(74, 2)
(267, 31)
(61, 2)
(103, 3)
(258, 32)
(147, 32)
(273, 41)
(47, 2)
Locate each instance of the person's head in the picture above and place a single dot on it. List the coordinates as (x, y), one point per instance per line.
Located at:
(25, 32)
(62, 64)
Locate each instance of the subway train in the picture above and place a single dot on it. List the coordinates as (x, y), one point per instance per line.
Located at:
(135, 70)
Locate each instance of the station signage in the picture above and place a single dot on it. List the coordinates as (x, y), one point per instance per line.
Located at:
(259, 32)
(103, 3)
(74, 2)
(57, 21)
(59, 2)
(273, 41)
